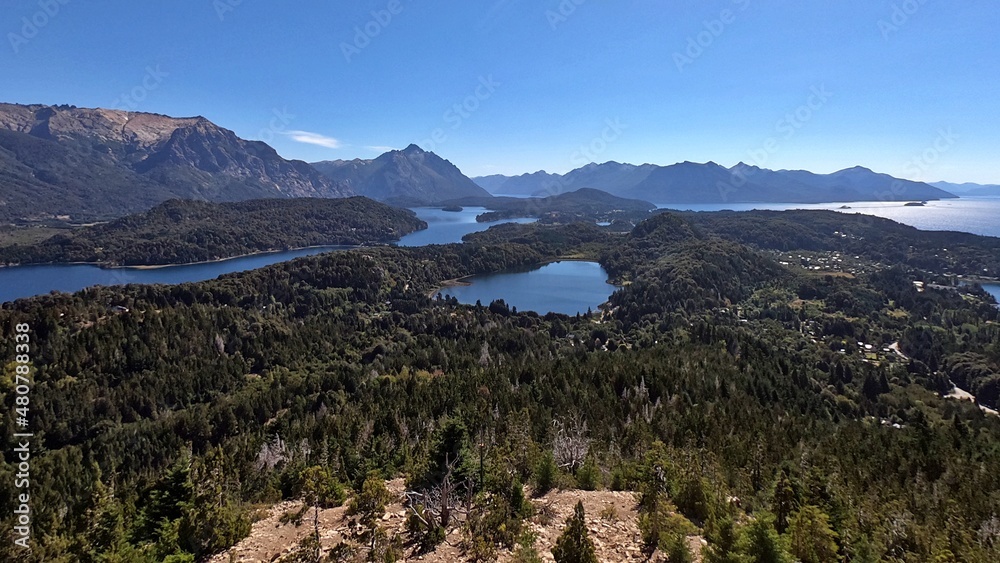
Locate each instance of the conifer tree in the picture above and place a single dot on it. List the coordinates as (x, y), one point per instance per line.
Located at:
(811, 538)
(574, 545)
(762, 543)
(545, 474)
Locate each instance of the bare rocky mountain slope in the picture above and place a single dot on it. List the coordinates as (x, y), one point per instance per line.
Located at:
(82, 164)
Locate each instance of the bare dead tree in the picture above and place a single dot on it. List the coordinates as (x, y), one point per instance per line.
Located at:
(271, 454)
(366, 433)
(318, 551)
(438, 505)
(989, 532)
(484, 355)
(220, 345)
(485, 440)
(571, 444)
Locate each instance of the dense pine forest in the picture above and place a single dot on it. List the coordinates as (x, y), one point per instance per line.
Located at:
(774, 382)
(185, 231)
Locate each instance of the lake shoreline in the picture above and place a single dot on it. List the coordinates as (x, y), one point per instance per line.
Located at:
(455, 282)
(460, 282)
(25, 280)
(981, 280)
(108, 266)
(584, 291)
(250, 255)
(971, 215)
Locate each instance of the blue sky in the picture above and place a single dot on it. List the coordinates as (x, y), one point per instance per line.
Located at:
(510, 86)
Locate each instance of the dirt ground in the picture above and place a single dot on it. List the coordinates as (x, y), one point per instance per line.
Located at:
(612, 521)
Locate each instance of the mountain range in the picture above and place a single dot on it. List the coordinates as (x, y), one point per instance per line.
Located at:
(409, 177)
(77, 164)
(710, 183)
(98, 163)
(969, 189)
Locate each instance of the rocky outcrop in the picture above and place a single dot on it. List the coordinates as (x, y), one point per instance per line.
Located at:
(101, 163)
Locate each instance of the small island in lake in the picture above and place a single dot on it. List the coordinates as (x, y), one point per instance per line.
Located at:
(452, 208)
(915, 204)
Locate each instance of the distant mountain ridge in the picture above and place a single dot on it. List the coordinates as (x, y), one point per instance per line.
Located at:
(969, 189)
(93, 164)
(710, 183)
(408, 177)
(100, 163)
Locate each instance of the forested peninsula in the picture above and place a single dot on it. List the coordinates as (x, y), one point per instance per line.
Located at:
(184, 231)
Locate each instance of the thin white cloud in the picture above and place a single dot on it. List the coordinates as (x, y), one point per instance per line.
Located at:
(314, 139)
(378, 148)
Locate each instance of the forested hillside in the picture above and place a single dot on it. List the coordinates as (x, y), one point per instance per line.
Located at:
(877, 239)
(759, 404)
(584, 204)
(180, 232)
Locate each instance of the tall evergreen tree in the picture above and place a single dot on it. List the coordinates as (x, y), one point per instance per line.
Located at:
(762, 543)
(811, 539)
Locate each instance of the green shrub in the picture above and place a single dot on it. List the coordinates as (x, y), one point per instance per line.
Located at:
(574, 545)
(546, 474)
(588, 477)
(676, 548)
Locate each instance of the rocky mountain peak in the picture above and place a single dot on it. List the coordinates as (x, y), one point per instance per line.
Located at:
(97, 162)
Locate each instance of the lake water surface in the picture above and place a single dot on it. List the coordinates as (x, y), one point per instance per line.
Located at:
(565, 287)
(27, 281)
(993, 289)
(980, 215)
(446, 227)
(560, 287)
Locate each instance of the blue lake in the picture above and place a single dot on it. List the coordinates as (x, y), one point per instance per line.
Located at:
(566, 287)
(27, 281)
(976, 215)
(993, 290)
(559, 287)
(446, 227)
